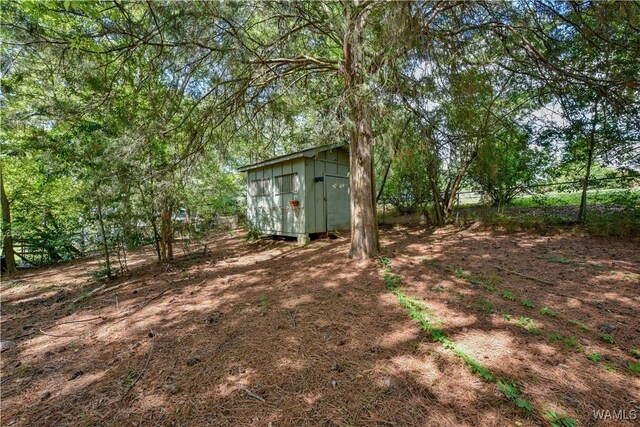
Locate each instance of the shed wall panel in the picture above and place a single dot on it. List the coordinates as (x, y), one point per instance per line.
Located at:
(272, 214)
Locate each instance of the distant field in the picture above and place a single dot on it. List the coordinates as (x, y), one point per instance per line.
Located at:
(625, 197)
(610, 212)
(615, 197)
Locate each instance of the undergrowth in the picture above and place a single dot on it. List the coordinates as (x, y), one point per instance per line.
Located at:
(559, 419)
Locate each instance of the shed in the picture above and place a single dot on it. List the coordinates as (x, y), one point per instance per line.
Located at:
(301, 193)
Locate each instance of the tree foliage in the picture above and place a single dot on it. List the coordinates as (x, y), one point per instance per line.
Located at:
(118, 115)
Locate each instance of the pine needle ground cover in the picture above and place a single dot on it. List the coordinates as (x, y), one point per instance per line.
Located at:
(252, 333)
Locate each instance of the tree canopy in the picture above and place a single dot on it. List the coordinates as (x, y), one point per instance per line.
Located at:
(116, 115)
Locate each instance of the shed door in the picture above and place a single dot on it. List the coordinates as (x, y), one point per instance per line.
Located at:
(338, 204)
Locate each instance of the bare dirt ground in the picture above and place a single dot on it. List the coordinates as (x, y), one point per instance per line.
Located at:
(268, 333)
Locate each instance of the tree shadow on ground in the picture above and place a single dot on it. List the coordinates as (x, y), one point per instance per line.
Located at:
(318, 337)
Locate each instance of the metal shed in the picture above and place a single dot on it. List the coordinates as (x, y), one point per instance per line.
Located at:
(301, 193)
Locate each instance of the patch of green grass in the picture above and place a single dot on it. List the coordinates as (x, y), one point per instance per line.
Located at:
(420, 313)
(431, 262)
(494, 280)
(129, 378)
(508, 295)
(524, 322)
(572, 343)
(566, 261)
(548, 312)
(635, 353)
(391, 280)
(594, 357)
(560, 260)
(579, 324)
(459, 273)
(83, 296)
(384, 261)
(101, 273)
(559, 419)
(527, 303)
(12, 284)
(487, 306)
(554, 337)
(528, 324)
(634, 367)
(608, 338)
(438, 288)
(24, 369)
(264, 302)
(511, 391)
(475, 282)
(634, 276)
(506, 317)
(623, 222)
(489, 287)
(475, 366)
(610, 367)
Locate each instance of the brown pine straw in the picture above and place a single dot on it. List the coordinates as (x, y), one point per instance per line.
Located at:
(319, 338)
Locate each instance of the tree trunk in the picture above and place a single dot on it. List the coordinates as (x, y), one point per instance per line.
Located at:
(392, 155)
(438, 208)
(7, 245)
(151, 218)
(105, 245)
(364, 223)
(582, 212)
(433, 175)
(384, 177)
(444, 205)
(127, 221)
(167, 233)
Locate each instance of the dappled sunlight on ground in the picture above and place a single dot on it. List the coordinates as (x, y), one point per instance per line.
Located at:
(590, 284)
(492, 349)
(320, 338)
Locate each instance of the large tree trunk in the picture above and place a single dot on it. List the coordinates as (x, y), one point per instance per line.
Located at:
(591, 143)
(7, 245)
(364, 223)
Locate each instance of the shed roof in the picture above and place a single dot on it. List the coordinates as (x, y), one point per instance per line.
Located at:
(309, 152)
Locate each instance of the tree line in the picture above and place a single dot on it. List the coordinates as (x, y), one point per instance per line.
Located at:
(120, 113)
